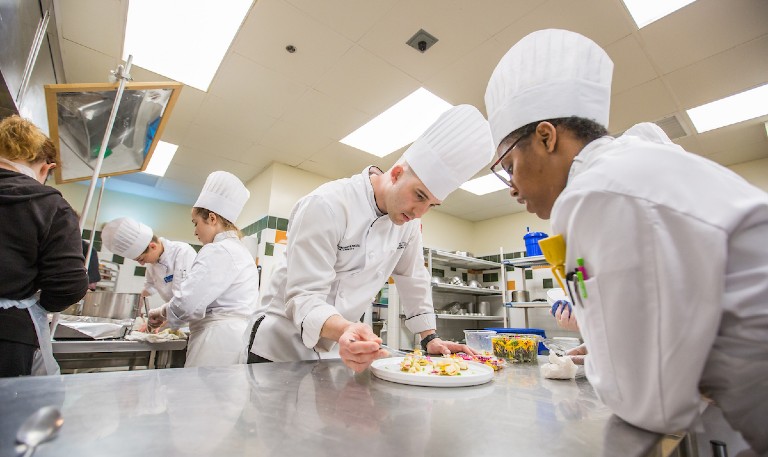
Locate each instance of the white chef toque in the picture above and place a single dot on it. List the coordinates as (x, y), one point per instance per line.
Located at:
(126, 237)
(224, 194)
(549, 74)
(455, 147)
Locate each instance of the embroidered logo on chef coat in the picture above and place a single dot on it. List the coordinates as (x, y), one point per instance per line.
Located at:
(349, 247)
(168, 279)
(402, 245)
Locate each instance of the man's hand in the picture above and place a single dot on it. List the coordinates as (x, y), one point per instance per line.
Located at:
(359, 347)
(577, 354)
(438, 346)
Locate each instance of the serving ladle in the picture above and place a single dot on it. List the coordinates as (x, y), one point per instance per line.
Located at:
(40, 427)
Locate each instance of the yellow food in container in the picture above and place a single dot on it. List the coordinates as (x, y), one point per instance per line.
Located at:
(516, 348)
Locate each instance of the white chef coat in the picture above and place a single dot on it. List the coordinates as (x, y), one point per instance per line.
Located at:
(340, 252)
(170, 270)
(676, 249)
(216, 299)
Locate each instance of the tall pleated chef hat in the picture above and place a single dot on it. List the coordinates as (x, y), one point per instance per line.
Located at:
(455, 147)
(549, 74)
(224, 194)
(126, 237)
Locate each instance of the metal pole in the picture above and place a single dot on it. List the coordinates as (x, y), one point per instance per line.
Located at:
(95, 220)
(123, 75)
(37, 43)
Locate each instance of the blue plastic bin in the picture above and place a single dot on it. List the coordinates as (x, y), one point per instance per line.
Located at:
(524, 331)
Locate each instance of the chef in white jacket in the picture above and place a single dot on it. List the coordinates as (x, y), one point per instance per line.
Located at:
(217, 296)
(348, 236)
(675, 300)
(168, 262)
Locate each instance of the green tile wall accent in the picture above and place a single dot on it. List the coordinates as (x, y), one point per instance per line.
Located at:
(98, 235)
(508, 255)
(547, 283)
(495, 258)
(272, 222)
(140, 271)
(490, 277)
(117, 259)
(86, 234)
(197, 247)
(517, 255)
(282, 224)
(528, 274)
(269, 249)
(464, 277)
(97, 245)
(440, 273)
(510, 268)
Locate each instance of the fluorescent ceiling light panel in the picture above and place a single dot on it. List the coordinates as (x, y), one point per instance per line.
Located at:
(399, 125)
(730, 110)
(484, 185)
(646, 11)
(184, 40)
(161, 158)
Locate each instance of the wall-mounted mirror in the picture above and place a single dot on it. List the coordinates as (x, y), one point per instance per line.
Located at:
(78, 115)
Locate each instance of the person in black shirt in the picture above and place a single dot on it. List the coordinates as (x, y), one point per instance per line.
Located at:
(40, 245)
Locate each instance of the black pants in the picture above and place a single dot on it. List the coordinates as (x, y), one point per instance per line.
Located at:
(253, 358)
(16, 359)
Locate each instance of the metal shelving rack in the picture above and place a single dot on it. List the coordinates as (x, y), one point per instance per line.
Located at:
(523, 264)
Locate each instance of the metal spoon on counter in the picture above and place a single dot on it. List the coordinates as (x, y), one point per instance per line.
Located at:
(40, 427)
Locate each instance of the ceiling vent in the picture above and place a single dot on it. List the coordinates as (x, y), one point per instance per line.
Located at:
(421, 41)
(672, 127)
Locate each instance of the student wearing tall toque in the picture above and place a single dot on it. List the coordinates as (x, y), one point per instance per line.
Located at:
(217, 296)
(168, 262)
(348, 236)
(674, 303)
(40, 247)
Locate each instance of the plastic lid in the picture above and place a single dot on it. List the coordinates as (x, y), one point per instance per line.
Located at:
(535, 235)
(522, 331)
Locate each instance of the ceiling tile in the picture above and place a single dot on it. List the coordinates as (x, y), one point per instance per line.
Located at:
(733, 138)
(727, 73)
(647, 102)
(184, 112)
(206, 162)
(218, 143)
(351, 18)
(261, 154)
(95, 24)
(604, 21)
(365, 82)
(465, 80)
(274, 24)
(233, 118)
(631, 66)
(446, 20)
(84, 65)
(322, 115)
(286, 137)
(243, 81)
(702, 29)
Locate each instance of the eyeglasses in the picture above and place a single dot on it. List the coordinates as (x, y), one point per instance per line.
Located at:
(501, 173)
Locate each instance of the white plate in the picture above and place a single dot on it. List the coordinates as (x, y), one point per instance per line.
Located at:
(389, 370)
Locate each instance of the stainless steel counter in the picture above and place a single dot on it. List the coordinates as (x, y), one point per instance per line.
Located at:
(319, 409)
(90, 354)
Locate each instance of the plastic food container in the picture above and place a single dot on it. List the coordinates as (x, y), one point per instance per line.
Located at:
(480, 340)
(516, 348)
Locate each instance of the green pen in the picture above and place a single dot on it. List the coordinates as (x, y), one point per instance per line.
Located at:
(580, 275)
